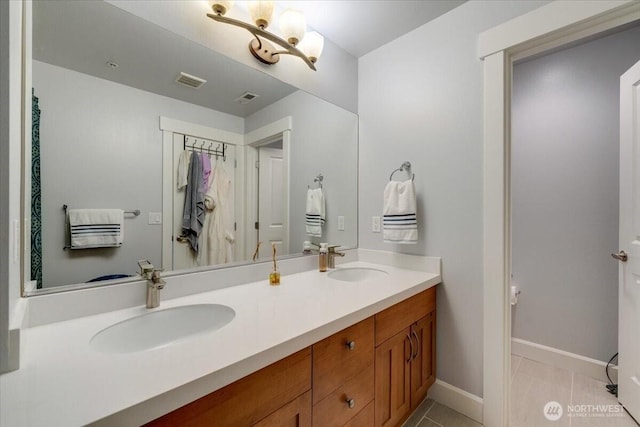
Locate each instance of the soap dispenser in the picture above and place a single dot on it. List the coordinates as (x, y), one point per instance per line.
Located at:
(323, 257)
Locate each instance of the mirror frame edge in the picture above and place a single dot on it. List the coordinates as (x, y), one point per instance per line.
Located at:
(25, 141)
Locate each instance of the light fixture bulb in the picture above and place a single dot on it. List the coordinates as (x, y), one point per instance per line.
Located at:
(312, 46)
(220, 7)
(261, 12)
(292, 26)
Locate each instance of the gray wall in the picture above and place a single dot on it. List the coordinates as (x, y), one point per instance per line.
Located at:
(101, 147)
(565, 158)
(324, 139)
(420, 99)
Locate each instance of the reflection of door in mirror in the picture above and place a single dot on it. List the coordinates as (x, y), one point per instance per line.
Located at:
(271, 218)
(216, 239)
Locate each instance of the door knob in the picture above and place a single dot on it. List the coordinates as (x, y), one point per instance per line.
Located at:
(620, 256)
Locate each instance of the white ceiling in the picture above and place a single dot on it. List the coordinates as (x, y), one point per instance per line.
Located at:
(360, 26)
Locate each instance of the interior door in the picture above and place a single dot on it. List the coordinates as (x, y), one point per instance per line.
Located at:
(629, 256)
(183, 256)
(271, 201)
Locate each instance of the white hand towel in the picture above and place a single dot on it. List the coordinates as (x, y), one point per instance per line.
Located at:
(183, 169)
(315, 213)
(399, 210)
(96, 228)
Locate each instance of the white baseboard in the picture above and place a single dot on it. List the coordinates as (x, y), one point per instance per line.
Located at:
(563, 359)
(457, 399)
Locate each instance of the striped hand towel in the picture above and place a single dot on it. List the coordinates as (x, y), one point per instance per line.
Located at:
(96, 228)
(399, 213)
(315, 214)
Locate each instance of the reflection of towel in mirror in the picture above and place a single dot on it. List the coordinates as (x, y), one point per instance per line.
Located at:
(96, 228)
(193, 212)
(217, 236)
(315, 213)
(206, 171)
(399, 210)
(183, 169)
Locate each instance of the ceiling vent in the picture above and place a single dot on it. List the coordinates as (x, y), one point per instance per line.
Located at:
(246, 98)
(189, 80)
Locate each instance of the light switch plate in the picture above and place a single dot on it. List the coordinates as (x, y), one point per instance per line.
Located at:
(375, 224)
(341, 223)
(155, 218)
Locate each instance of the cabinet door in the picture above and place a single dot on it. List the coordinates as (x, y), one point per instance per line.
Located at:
(296, 413)
(423, 365)
(392, 382)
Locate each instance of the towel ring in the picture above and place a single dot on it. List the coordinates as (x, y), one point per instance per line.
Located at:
(406, 166)
(319, 178)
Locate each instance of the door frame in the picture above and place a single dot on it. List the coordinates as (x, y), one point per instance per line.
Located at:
(548, 27)
(263, 136)
(169, 126)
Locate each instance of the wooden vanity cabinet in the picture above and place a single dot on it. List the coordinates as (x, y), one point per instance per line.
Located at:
(405, 357)
(276, 395)
(372, 373)
(343, 375)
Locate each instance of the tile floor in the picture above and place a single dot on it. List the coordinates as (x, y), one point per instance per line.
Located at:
(432, 414)
(533, 384)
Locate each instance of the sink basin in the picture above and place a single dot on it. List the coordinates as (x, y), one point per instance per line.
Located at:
(160, 328)
(356, 274)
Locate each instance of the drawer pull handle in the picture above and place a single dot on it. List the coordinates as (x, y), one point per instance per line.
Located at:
(417, 346)
(351, 345)
(351, 403)
(411, 344)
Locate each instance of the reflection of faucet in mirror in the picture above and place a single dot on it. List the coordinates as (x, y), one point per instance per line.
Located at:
(331, 262)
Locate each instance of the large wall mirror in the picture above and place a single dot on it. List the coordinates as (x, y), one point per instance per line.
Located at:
(124, 163)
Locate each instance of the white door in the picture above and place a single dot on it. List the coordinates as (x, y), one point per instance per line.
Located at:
(629, 273)
(271, 207)
(183, 256)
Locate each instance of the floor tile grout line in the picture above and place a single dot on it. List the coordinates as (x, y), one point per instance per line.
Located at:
(517, 367)
(571, 398)
(430, 407)
(435, 422)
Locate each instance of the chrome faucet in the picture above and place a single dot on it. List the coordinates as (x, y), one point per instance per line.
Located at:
(154, 285)
(331, 259)
(154, 282)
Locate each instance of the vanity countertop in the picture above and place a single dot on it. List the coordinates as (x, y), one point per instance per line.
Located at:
(62, 381)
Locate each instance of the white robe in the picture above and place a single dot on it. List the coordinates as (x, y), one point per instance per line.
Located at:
(217, 237)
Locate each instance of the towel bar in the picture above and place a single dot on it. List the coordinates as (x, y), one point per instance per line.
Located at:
(135, 212)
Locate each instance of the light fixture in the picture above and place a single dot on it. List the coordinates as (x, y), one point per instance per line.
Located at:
(307, 46)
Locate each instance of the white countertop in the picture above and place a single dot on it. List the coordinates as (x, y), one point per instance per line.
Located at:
(62, 381)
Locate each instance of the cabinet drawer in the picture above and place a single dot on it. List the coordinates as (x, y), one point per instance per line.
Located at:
(334, 410)
(365, 418)
(395, 318)
(294, 414)
(334, 361)
(249, 399)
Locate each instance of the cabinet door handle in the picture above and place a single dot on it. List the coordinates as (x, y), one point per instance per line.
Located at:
(411, 344)
(351, 403)
(413, 356)
(351, 345)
